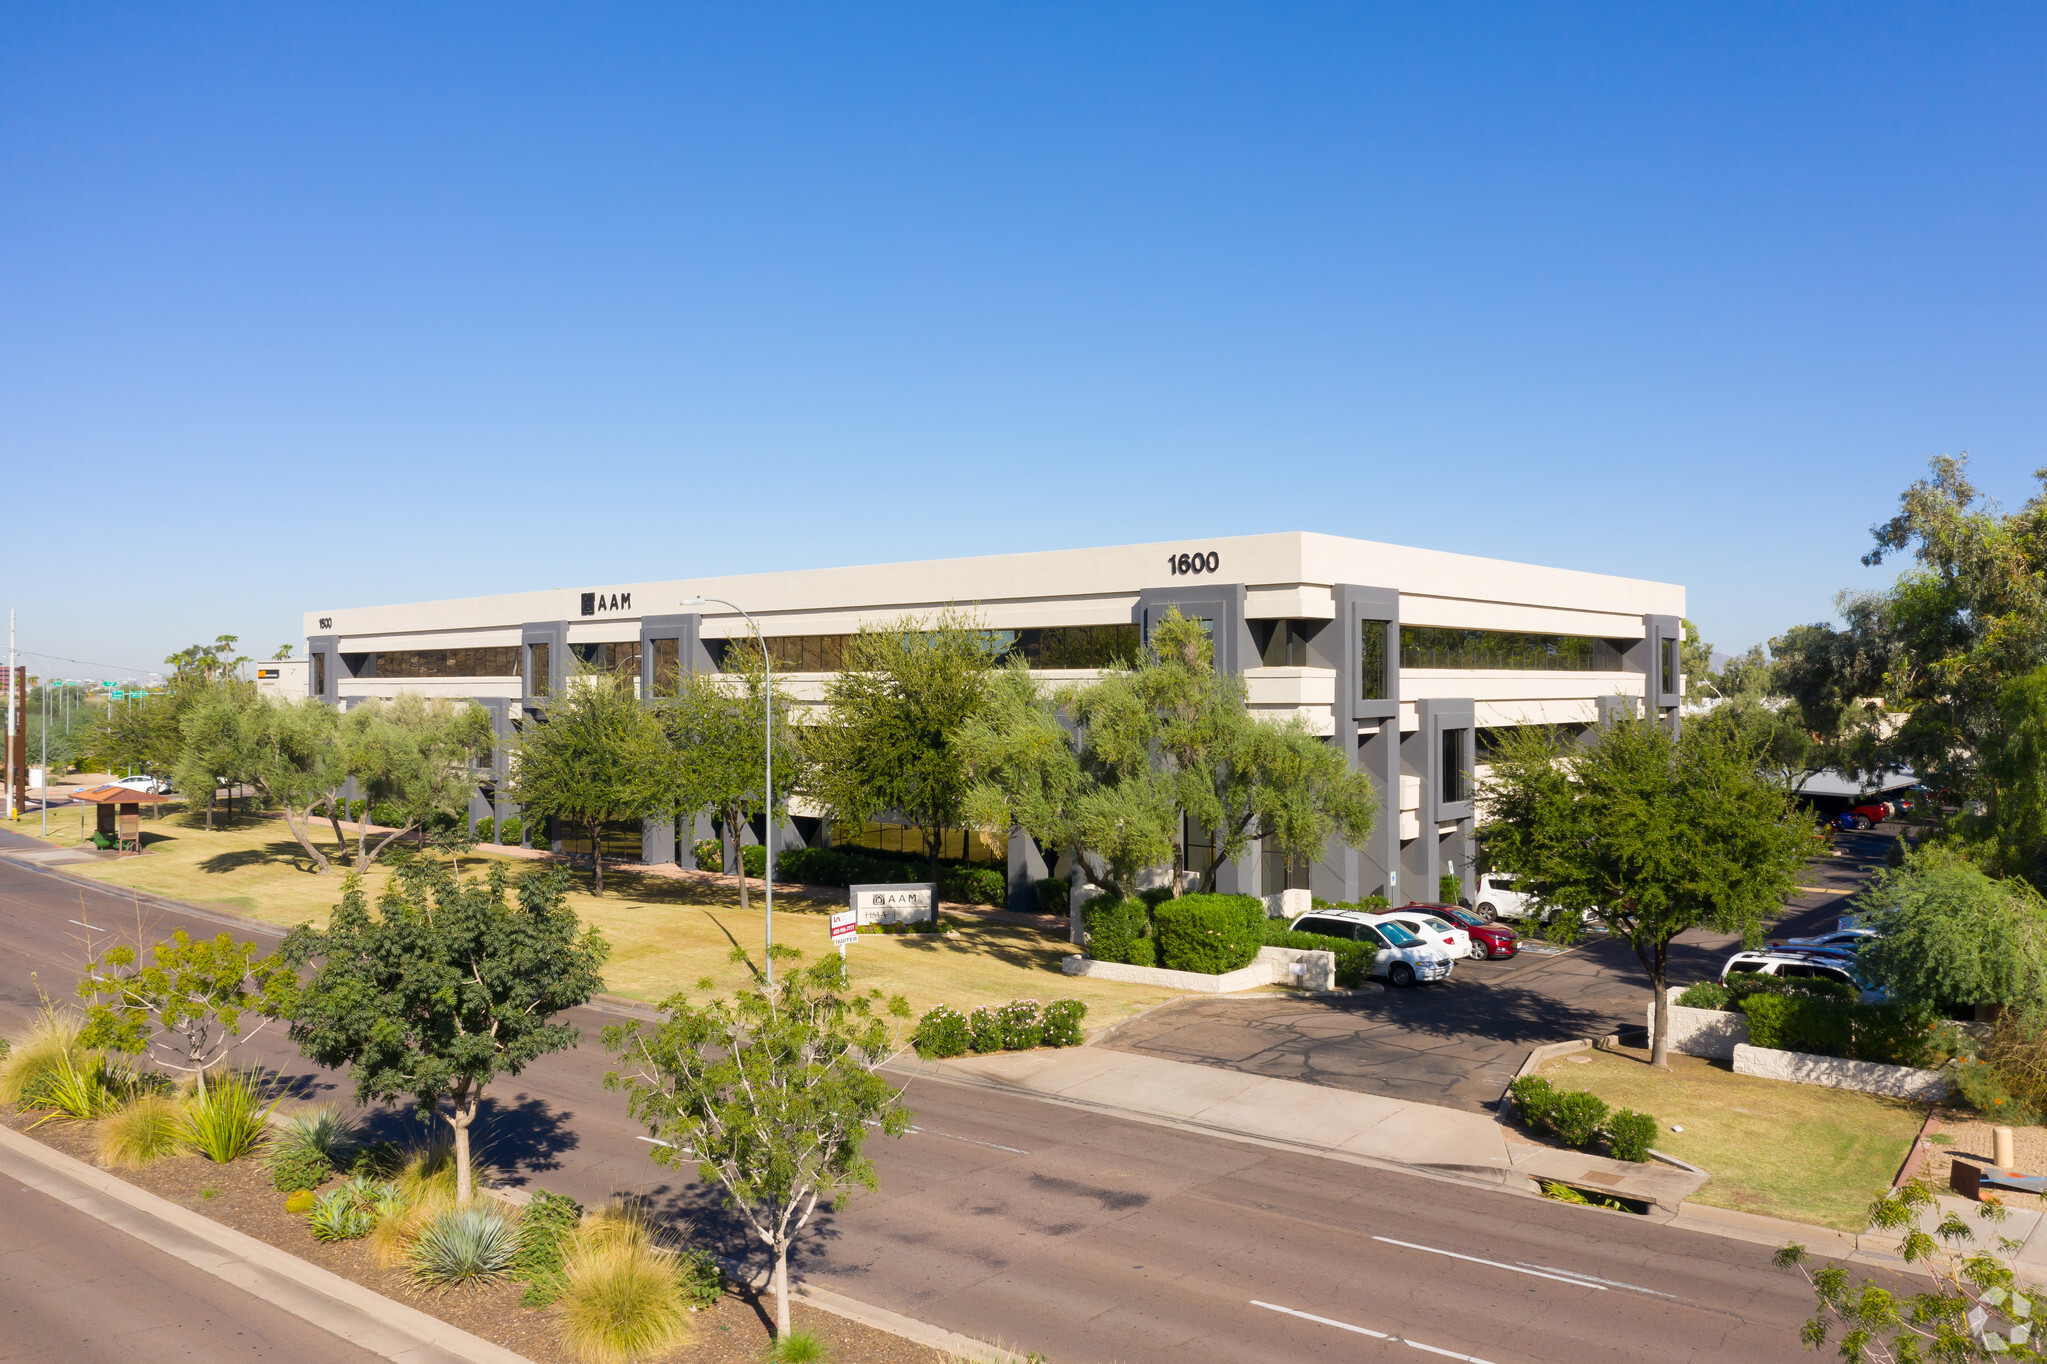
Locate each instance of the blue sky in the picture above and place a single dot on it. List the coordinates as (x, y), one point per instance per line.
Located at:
(318, 306)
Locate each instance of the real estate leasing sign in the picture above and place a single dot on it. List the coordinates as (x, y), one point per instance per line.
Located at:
(897, 904)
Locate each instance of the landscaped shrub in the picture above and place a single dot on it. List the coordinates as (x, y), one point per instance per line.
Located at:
(1021, 1024)
(973, 885)
(1142, 952)
(1985, 1091)
(307, 1147)
(82, 1086)
(710, 855)
(1115, 927)
(348, 1211)
(1821, 1027)
(1062, 1023)
(511, 831)
(753, 858)
(227, 1119)
(546, 1225)
(1155, 897)
(1449, 889)
(1353, 959)
(942, 1032)
(1705, 994)
(985, 1029)
(798, 1347)
(1534, 1100)
(1052, 895)
(465, 1245)
(1629, 1135)
(485, 828)
(1576, 1116)
(140, 1134)
(621, 1300)
(1209, 934)
(700, 1276)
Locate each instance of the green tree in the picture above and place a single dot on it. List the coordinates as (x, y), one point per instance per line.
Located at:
(184, 1005)
(1954, 937)
(444, 988)
(1972, 1307)
(1105, 768)
(771, 1093)
(1656, 834)
(413, 760)
(595, 757)
(2012, 831)
(716, 731)
(1695, 656)
(297, 765)
(218, 745)
(895, 713)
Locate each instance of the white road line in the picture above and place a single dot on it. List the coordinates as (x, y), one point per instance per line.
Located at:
(1512, 1269)
(993, 1146)
(1367, 1331)
(1610, 1283)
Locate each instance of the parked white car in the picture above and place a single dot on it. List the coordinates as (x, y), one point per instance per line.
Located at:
(148, 785)
(1805, 965)
(1403, 958)
(1497, 899)
(1840, 940)
(1431, 927)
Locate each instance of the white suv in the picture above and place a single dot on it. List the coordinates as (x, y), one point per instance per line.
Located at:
(1497, 899)
(1812, 965)
(1403, 958)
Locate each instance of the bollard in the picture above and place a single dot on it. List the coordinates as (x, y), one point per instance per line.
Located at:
(2001, 1148)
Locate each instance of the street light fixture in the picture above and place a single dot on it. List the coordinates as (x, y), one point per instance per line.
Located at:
(767, 791)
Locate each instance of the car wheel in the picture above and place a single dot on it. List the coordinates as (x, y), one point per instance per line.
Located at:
(1486, 912)
(1862, 821)
(1478, 950)
(1401, 974)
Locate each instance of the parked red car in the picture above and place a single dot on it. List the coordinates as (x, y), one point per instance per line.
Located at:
(1492, 939)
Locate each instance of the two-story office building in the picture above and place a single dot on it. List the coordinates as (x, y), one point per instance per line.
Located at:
(1403, 658)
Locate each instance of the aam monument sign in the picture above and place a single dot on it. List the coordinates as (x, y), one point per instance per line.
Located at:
(901, 903)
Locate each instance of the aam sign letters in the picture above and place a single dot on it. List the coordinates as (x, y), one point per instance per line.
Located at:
(915, 902)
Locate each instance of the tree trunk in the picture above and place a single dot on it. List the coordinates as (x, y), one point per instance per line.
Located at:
(596, 859)
(781, 1289)
(933, 839)
(304, 836)
(732, 827)
(334, 813)
(465, 1113)
(210, 798)
(1659, 1032)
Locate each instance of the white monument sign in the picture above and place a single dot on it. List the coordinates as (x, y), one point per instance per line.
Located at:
(896, 904)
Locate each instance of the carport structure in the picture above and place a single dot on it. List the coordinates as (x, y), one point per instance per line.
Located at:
(120, 813)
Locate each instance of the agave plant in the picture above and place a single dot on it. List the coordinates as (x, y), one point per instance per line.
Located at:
(307, 1147)
(345, 1213)
(465, 1245)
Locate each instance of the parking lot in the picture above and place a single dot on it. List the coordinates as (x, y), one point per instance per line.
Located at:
(1459, 1042)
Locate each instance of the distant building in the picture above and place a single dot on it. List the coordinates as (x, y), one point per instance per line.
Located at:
(282, 677)
(1406, 659)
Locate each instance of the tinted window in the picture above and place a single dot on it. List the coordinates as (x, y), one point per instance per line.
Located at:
(1742, 968)
(1398, 936)
(1829, 973)
(1796, 972)
(1437, 925)
(1329, 928)
(1370, 936)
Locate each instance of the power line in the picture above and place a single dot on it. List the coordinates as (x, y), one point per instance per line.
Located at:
(88, 663)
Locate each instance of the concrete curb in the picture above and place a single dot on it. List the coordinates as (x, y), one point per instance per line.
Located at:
(339, 1306)
(909, 1328)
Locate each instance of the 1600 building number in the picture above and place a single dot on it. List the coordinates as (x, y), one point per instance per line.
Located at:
(1198, 562)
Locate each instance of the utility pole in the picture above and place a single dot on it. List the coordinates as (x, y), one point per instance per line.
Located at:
(13, 671)
(45, 698)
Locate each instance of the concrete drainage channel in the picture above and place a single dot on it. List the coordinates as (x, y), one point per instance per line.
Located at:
(1595, 1188)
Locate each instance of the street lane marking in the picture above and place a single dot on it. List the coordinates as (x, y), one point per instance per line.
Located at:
(1514, 1269)
(1610, 1283)
(1367, 1331)
(993, 1146)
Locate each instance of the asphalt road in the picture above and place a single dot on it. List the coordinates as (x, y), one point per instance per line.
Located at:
(1091, 1238)
(73, 1288)
(1459, 1042)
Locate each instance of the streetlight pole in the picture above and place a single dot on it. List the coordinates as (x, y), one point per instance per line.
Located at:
(768, 791)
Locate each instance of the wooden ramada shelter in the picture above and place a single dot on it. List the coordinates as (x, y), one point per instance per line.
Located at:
(120, 812)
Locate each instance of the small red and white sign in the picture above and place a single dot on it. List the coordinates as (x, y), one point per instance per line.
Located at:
(845, 925)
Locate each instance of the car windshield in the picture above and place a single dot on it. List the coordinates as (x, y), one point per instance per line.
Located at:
(1468, 920)
(1398, 936)
(1437, 925)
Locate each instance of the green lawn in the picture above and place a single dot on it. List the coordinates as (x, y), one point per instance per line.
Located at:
(1803, 1152)
(666, 932)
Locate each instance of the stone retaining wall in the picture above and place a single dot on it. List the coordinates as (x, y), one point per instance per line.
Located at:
(1701, 1032)
(1900, 1082)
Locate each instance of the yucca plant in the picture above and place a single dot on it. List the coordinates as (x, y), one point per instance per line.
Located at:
(307, 1147)
(226, 1119)
(422, 1189)
(621, 1300)
(144, 1132)
(51, 1039)
(465, 1245)
(83, 1087)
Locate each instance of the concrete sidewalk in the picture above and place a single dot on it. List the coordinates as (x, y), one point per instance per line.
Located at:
(1310, 1117)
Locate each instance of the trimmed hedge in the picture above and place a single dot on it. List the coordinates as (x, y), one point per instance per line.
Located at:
(959, 882)
(710, 855)
(1209, 934)
(1054, 895)
(485, 828)
(1016, 1026)
(1118, 931)
(1581, 1119)
(1354, 960)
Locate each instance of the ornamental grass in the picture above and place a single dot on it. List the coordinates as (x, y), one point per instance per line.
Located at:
(144, 1132)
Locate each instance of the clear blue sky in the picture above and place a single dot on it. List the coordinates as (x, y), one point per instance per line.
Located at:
(312, 306)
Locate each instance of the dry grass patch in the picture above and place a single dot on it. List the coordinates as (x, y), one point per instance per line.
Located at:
(1803, 1152)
